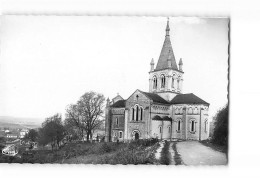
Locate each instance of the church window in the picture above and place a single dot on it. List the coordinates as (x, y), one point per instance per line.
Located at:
(154, 82)
(179, 125)
(160, 129)
(206, 125)
(117, 121)
(141, 113)
(162, 81)
(120, 134)
(137, 113)
(133, 113)
(196, 111)
(169, 129)
(172, 82)
(192, 126)
(178, 84)
(190, 111)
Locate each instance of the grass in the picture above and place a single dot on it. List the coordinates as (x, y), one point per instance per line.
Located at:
(135, 152)
(177, 156)
(165, 154)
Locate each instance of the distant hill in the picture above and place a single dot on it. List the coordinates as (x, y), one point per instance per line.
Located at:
(16, 122)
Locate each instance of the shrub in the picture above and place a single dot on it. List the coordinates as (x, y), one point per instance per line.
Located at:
(220, 134)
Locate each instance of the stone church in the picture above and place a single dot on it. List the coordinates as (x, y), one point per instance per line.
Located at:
(164, 112)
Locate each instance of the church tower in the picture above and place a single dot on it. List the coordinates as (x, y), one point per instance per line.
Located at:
(166, 79)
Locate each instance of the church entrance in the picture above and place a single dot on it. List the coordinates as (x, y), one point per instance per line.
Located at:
(136, 136)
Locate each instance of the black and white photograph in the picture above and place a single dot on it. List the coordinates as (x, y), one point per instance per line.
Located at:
(114, 90)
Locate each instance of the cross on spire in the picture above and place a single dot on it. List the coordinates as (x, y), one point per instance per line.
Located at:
(167, 28)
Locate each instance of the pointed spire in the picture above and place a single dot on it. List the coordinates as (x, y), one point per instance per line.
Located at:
(167, 28)
(180, 64)
(152, 65)
(166, 53)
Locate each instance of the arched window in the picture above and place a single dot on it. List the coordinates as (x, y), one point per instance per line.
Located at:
(155, 82)
(190, 110)
(178, 84)
(133, 114)
(172, 82)
(179, 125)
(169, 129)
(162, 81)
(192, 126)
(196, 111)
(177, 111)
(160, 129)
(117, 121)
(137, 113)
(120, 134)
(141, 113)
(206, 125)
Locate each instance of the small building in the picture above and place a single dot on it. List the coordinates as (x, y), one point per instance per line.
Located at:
(23, 132)
(12, 135)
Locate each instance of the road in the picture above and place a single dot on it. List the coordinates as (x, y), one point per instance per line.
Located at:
(195, 153)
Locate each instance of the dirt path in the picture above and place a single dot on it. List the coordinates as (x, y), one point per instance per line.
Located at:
(194, 153)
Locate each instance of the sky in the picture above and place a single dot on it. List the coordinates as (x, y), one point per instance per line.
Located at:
(48, 62)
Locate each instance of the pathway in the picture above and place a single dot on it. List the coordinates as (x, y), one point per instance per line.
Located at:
(194, 153)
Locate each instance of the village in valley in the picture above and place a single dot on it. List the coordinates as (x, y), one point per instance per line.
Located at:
(161, 126)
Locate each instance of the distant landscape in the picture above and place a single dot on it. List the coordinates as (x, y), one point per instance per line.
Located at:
(16, 122)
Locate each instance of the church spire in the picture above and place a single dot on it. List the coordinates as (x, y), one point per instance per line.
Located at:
(167, 55)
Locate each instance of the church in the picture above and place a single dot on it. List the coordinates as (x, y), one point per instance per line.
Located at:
(164, 112)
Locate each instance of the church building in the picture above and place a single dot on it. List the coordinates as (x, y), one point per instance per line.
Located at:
(164, 112)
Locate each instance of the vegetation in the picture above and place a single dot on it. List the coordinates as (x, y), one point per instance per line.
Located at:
(165, 154)
(32, 135)
(135, 152)
(86, 115)
(220, 134)
(52, 131)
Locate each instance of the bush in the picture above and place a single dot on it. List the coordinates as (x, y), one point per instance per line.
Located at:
(220, 134)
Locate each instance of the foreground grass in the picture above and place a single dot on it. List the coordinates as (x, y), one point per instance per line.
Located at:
(136, 152)
(165, 154)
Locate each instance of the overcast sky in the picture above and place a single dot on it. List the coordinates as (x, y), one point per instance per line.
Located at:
(48, 62)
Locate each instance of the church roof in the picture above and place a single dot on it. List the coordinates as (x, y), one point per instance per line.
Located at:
(119, 104)
(189, 98)
(156, 98)
(166, 53)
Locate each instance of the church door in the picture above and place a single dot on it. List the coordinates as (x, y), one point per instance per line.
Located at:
(136, 136)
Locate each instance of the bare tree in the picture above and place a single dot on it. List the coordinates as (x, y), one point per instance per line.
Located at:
(87, 114)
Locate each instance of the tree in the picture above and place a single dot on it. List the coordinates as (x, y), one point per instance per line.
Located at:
(32, 135)
(87, 113)
(52, 131)
(220, 134)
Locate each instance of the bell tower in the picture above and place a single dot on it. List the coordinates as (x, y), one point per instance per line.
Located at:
(166, 79)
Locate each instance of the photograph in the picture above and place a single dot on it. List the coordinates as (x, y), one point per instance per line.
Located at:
(116, 90)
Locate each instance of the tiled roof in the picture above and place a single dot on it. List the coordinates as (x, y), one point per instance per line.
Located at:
(119, 104)
(189, 98)
(156, 98)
